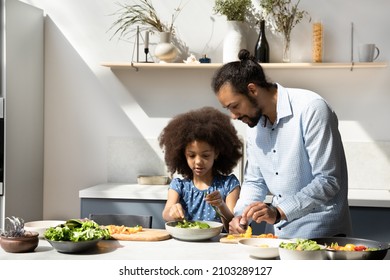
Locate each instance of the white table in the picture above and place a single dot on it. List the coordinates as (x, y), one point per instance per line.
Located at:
(170, 249)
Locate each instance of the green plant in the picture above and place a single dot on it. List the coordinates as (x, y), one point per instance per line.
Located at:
(236, 10)
(141, 12)
(14, 227)
(282, 15)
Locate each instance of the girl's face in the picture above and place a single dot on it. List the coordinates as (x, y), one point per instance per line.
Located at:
(200, 158)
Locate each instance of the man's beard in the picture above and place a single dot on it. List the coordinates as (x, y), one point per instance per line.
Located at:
(253, 121)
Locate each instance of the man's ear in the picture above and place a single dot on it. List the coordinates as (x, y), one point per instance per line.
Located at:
(252, 89)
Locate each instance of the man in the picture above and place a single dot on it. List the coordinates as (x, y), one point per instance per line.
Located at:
(294, 151)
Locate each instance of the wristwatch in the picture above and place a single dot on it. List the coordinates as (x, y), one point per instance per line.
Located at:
(278, 216)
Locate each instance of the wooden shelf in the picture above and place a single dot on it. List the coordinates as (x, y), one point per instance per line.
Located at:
(139, 65)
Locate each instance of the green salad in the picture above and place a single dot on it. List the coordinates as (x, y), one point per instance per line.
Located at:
(301, 245)
(76, 230)
(194, 224)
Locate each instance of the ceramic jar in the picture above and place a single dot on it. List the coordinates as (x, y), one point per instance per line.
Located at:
(165, 51)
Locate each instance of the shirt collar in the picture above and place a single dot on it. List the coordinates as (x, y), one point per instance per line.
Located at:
(283, 106)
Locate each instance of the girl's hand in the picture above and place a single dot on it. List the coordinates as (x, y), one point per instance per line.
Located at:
(176, 211)
(214, 199)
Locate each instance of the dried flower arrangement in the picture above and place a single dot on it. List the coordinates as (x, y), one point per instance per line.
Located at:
(281, 15)
(143, 13)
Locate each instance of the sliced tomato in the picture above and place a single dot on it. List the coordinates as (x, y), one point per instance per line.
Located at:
(360, 248)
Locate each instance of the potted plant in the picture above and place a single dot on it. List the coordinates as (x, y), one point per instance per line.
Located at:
(237, 13)
(234, 10)
(282, 16)
(141, 14)
(14, 239)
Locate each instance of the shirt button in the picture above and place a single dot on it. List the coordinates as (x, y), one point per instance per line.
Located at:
(277, 173)
(274, 151)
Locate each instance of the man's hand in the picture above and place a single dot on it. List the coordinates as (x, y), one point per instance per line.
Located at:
(259, 212)
(238, 225)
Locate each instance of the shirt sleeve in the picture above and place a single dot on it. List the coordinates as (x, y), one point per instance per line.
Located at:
(176, 185)
(253, 188)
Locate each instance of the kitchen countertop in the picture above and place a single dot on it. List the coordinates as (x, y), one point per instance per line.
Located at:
(356, 197)
(170, 249)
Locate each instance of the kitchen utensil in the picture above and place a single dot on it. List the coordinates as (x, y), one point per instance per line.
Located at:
(368, 52)
(379, 254)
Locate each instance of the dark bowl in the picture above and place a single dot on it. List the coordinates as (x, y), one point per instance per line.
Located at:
(379, 254)
(22, 244)
(71, 247)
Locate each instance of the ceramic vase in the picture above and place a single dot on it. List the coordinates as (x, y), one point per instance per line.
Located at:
(234, 41)
(165, 51)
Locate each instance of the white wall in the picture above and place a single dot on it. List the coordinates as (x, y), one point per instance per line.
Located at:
(93, 117)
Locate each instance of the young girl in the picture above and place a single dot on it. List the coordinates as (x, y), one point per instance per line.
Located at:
(201, 145)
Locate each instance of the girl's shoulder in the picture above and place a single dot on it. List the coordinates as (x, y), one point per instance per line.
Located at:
(227, 180)
(180, 182)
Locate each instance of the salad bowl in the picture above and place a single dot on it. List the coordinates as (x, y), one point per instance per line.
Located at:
(71, 247)
(186, 232)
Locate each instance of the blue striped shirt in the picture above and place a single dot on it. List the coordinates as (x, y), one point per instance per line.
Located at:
(300, 160)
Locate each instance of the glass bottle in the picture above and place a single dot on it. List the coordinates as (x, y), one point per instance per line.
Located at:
(262, 47)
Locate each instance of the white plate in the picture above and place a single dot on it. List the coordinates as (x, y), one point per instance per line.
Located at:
(41, 226)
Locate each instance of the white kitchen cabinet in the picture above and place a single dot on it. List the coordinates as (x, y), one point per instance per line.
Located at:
(22, 87)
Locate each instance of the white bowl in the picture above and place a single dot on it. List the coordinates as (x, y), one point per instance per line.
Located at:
(41, 226)
(263, 248)
(288, 254)
(194, 234)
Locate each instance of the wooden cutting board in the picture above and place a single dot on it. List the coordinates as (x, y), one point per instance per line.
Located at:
(147, 234)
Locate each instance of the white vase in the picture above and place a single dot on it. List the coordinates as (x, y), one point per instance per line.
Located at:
(234, 41)
(165, 51)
